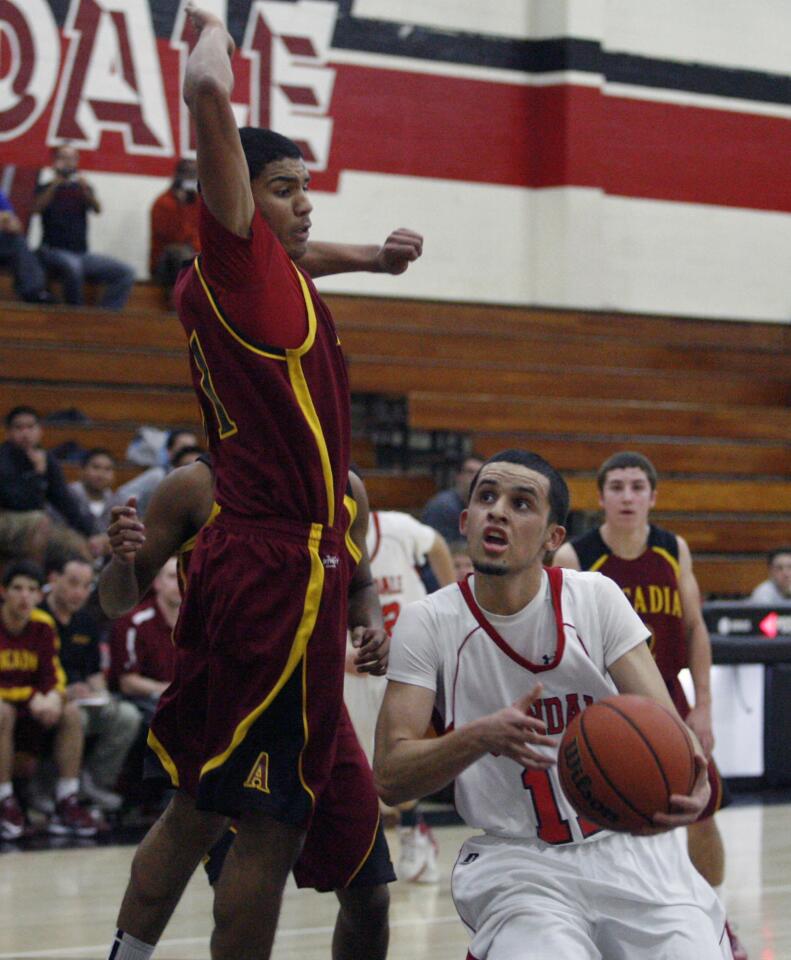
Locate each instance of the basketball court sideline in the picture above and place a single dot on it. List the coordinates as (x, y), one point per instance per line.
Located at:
(62, 903)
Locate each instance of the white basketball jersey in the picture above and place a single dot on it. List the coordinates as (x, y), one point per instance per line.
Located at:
(477, 663)
(397, 545)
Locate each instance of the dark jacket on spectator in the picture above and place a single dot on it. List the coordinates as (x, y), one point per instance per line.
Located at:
(21, 488)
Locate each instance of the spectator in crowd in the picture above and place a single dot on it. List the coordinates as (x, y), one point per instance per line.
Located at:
(30, 479)
(777, 588)
(94, 492)
(142, 656)
(144, 484)
(187, 455)
(443, 510)
(174, 225)
(64, 203)
(29, 278)
(110, 724)
(462, 562)
(33, 711)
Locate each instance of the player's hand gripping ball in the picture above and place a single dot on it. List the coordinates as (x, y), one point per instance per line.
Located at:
(620, 760)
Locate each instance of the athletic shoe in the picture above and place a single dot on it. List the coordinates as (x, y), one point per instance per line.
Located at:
(72, 820)
(417, 861)
(737, 947)
(104, 799)
(42, 804)
(12, 820)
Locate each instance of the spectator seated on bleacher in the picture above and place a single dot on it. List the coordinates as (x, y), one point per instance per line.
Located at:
(144, 484)
(142, 657)
(777, 588)
(64, 201)
(30, 280)
(174, 226)
(110, 723)
(34, 714)
(443, 510)
(30, 481)
(94, 491)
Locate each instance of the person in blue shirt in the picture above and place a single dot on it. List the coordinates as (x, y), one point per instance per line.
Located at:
(29, 279)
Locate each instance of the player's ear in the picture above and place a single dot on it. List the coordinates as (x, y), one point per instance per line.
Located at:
(463, 522)
(555, 537)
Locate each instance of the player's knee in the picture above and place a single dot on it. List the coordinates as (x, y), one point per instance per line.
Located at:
(365, 909)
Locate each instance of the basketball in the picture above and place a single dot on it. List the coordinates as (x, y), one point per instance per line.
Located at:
(622, 758)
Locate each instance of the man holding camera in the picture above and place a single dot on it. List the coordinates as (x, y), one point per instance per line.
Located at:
(63, 203)
(174, 225)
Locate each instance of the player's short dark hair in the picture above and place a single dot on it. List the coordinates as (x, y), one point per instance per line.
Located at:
(96, 452)
(186, 452)
(558, 490)
(774, 554)
(263, 146)
(174, 434)
(23, 568)
(620, 461)
(15, 412)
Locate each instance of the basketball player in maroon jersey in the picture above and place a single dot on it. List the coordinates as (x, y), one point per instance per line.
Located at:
(345, 849)
(248, 726)
(653, 567)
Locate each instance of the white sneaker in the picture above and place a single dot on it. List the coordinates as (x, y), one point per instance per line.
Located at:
(104, 799)
(417, 861)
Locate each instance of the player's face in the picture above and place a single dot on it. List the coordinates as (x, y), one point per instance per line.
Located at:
(21, 596)
(281, 194)
(72, 587)
(627, 497)
(507, 522)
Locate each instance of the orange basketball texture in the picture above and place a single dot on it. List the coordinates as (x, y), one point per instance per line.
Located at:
(621, 759)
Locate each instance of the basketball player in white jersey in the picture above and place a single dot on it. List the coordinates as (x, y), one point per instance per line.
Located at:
(507, 659)
(397, 545)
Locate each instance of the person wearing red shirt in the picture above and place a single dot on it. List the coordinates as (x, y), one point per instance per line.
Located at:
(33, 710)
(174, 225)
(142, 656)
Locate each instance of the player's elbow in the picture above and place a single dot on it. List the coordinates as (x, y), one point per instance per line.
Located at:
(388, 787)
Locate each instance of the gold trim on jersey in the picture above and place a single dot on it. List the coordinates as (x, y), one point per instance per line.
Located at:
(306, 731)
(15, 694)
(164, 758)
(41, 616)
(302, 392)
(351, 505)
(362, 863)
(310, 611)
(237, 336)
(188, 545)
(599, 563)
(670, 559)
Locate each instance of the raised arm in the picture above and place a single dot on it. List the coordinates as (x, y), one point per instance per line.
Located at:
(401, 248)
(139, 551)
(441, 562)
(208, 82)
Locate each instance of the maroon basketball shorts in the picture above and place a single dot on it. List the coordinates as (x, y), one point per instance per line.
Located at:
(720, 797)
(345, 845)
(250, 720)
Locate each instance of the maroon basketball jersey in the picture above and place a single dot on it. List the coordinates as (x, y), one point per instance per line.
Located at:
(29, 661)
(276, 416)
(650, 581)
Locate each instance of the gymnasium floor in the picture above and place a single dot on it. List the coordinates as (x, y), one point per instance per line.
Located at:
(62, 903)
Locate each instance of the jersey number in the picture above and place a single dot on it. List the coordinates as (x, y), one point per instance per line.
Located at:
(390, 612)
(550, 825)
(225, 425)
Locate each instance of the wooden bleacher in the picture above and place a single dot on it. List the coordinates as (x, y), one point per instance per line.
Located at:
(708, 401)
